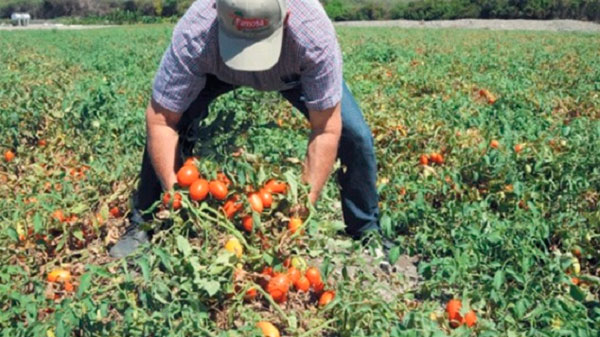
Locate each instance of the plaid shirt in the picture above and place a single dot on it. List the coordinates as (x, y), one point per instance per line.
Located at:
(310, 58)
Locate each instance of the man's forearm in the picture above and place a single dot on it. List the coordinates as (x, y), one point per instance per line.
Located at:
(162, 144)
(322, 152)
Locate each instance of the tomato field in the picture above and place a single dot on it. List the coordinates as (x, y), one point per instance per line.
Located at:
(488, 173)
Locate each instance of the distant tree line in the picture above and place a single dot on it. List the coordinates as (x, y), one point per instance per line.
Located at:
(140, 10)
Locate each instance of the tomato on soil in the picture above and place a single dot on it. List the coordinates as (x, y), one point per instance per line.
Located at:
(303, 284)
(115, 212)
(294, 224)
(59, 275)
(9, 156)
(519, 148)
(250, 294)
(278, 287)
(186, 175)
(494, 144)
(436, 158)
(423, 160)
(58, 215)
(218, 189)
(453, 309)
(293, 274)
(199, 190)
(268, 329)
(314, 276)
(326, 298)
(470, 318)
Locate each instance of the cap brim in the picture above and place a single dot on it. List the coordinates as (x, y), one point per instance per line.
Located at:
(250, 55)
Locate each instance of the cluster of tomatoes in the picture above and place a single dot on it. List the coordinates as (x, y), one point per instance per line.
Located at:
(434, 158)
(453, 308)
(296, 275)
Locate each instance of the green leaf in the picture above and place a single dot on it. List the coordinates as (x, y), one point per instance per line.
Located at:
(84, 283)
(211, 287)
(38, 226)
(183, 246)
(12, 233)
(394, 254)
(144, 265)
(498, 279)
(577, 293)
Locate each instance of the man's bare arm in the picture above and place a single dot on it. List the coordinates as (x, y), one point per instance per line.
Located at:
(162, 142)
(326, 128)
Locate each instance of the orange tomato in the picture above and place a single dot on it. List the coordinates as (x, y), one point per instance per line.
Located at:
(177, 201)
(218, 189)
(275, 186)
(199, 190)
(68, 287)
(470, 318)
(266, 197)
(278, 287)
(293, 274)
(9, 155)
(314, 276)
(232, 206)
(250, 294)
(453, 309)
(247, 223)
(294, 224)
(42, 142)
(255, 202)
(186, 175)
(423, 160)
(59, 275)
(494, 144)
(303, 284)
(190, 161)
(58, 215)
(519, 148)
(436, 158)
(223, 178)
(326, 297)
(268, 329)
(115, 212)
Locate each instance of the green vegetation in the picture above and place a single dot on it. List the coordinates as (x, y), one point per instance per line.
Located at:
(503, 228)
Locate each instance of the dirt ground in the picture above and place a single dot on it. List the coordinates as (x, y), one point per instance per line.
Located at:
(544, 25)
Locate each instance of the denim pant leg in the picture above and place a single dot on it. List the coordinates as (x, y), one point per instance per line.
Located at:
(149, 187)
(359, 173)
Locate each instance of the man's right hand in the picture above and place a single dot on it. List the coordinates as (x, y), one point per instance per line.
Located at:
(162, 141)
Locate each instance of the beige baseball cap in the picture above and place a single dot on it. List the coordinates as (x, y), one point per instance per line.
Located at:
(251, 33)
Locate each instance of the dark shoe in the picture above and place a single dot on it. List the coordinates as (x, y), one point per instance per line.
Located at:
(134, 237)
(378, 248)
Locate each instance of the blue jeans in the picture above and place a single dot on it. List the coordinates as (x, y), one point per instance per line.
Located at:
(356, 153)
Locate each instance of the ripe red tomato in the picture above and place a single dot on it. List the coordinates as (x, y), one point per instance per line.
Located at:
(177, 201)
(278, 287)
(247, 223)
(470, 318)
(218, 190)
(250, 294)
(255, 202)
(186, 175)
(190, 161)
(58, 215)
(9, 155)
(423, 160)
(293, 274)
(453, 309)
(266, 197)
(494, 144)
(314, 276)
(326, 297)
(115, 212)
(303, 284)
(232, 206)
(275, 186)
(199, 190)
(437, 158)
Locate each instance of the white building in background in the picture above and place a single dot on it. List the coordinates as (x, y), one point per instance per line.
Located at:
(20, 19)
